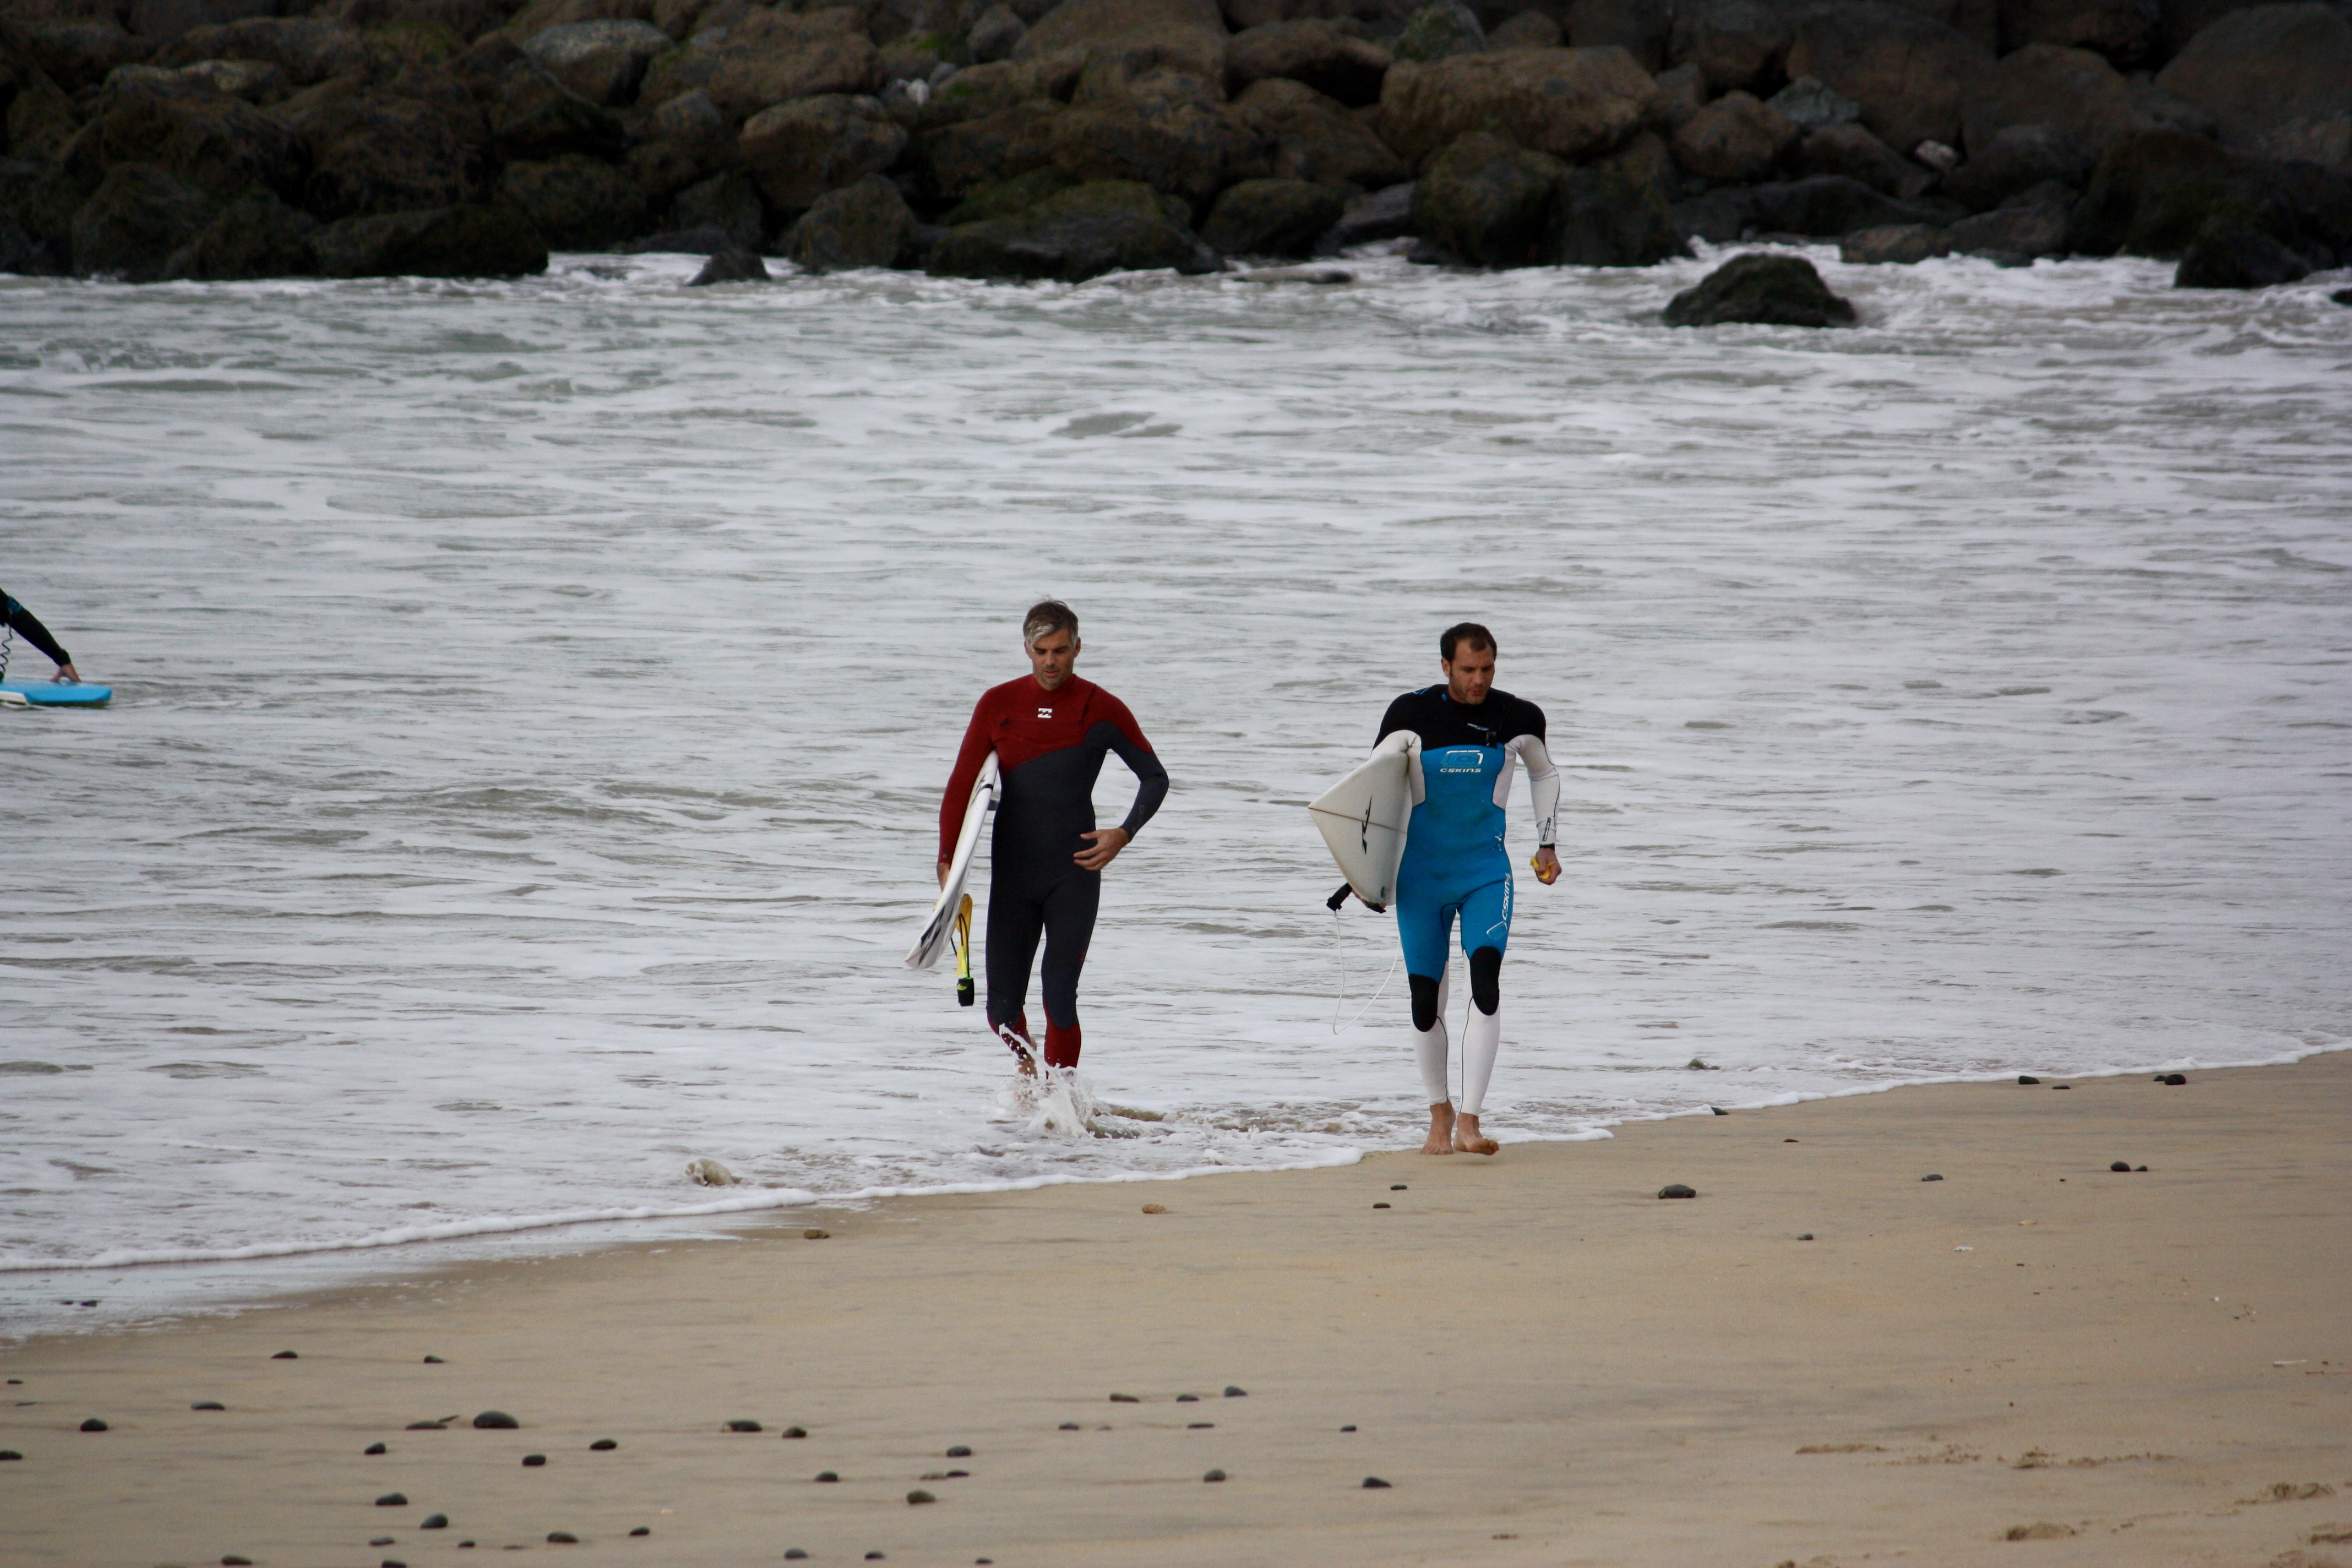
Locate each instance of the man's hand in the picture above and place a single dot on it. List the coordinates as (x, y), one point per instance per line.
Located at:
(1547, 866)
(66, 674)
(1108, 843)
(944, 864)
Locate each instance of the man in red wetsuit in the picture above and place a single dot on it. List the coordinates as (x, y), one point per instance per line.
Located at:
(1050, 730)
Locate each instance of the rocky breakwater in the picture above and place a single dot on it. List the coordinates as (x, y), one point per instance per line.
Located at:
(1027, 139)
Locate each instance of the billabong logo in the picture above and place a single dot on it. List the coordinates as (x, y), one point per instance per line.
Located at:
(1044, 712)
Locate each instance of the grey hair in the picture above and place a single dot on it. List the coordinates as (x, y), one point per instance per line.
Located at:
(1046, 618)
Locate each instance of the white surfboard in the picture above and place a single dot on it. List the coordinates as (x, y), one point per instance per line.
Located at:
(939, 932)
(1364, 816)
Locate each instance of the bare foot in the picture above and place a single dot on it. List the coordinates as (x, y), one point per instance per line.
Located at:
(1024, 1049)
(1466, 1137)
(1440, 1130)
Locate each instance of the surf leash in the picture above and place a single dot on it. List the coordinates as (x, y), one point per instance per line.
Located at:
(1340, 967)
(963, 952)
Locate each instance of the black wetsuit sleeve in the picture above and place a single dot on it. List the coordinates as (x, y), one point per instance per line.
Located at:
(1398, 717)
(1152, 780)
(23, 620)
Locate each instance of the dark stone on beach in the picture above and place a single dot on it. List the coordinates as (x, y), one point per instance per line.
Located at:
(1770, 290)
(1199, 1426)
(827, 1475)
(1807, 1237)
(1676, 1189)
(433, 1360)
(425, 1426)
(1233, 1390)
(93, 1425)
(1719, 1111)
(497, 1421)
(434, 1522)
(285, 1355)
(2119, 1165)
(1125, 1399)
(1188, 1399)
(1931, 1178)
(561, 1537)
(603, 1446)
(2139, 1167)
(534, 1461)
(956, 1476)
(2027, 1078)
(959, 1452)
(464, 1545)
(1696, 1065)
(795, 1431)
(732, 266)
(2342, 296)
(374, 1449)
(1347, 1428)
(1214, 1476)
(234, 1561)
(873, 1557)
(793, 1554)
(207, 1405)
(1397, 1188)
(1373, 1483)
(1379, 1206)
(392, 1499)
(917, 1497)
(392, 1562)
(1071, 1427)
(2061, 1086)
(742, 1425)
(643, 1530)
(380, 1540)
(8, 1454)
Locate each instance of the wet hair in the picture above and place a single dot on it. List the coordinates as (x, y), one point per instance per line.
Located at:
(1480, 639)
(1044, 618)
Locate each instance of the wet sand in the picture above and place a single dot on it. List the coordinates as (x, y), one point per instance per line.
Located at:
(1551, 1365)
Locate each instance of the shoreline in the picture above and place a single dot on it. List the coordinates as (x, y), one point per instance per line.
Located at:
(1548, 1363)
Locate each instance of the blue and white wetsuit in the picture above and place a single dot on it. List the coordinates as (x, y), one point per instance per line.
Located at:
(1456, 864)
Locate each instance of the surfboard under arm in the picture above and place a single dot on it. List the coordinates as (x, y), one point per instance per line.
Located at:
(1364, 816)
(939, 932)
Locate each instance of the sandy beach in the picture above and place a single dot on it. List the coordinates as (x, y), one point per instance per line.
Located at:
(2034, 1360)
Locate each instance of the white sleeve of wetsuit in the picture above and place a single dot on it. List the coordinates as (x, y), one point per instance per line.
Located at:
(1409, 743)
(1543, 786)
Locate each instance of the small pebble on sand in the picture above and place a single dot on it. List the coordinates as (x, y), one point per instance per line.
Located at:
(1719, 1111)
(285, 1355)
(1155, 1208)
(497, 1421)
(603, 1446)
(1373, 1483)
(1214, 1476)
(425, 1426)
(1125, 1399)
(1234, 1391)
(1347, 1428)
(435, 1522)
(534, 1461)
(643, 1530)
(93, 1425)
(1676, 1189)
(7, 1455)
(392, 1562)
(392, 1499)
(207, 1405)
(374, 1449)
(918, 1497)
(381, 1540)
(2119, 1164)
(1806, 1237)
(2027, 1078)
(1199, 1425)
(2174, 1079)
(873, 1557)
(1072, 1426)
(827, 1475)
(793, 1554)
(1379, 1206)
(1188, 1399)
(561, 1537)
(434, 1360)
(2061, 1086)
(1931, 1178)
(959, 1452)
(741, 1426)
(234, 1561)
(812, 1234)
(795, 1431)
(1398, 1187)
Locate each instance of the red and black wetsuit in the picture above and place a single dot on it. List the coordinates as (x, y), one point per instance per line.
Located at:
(1049, 749)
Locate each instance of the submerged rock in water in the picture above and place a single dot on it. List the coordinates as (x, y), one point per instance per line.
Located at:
(867, 224)
(1104, 226)
(1769, 291)
(731, 266)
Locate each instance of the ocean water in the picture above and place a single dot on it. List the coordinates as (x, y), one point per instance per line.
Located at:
(534, 701)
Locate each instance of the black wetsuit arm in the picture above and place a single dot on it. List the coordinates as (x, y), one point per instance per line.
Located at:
(23, 620)
(1151, 781)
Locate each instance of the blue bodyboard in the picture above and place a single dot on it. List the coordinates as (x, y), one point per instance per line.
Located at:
(61, 693)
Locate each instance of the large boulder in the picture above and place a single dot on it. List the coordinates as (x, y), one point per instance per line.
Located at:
(1528, 31)
(1734, 139)
(38, 201)
(691, 124)
(1767, 289)
(1106, 225)
(2041, 84)
(1608, 216)
(767, 57)
(2227, 254)
(1164, 133)
(799, 151)
(41, 120)
(535, 116)
(978, 91)
(469, 240)
(1569, 103)
(864, 225)
(78, 54)
(2125, 31)
(1735, 44)
(1440, 32)
(255, 82)
(1006, 197)
(1384, 214)
(1909, 74)
(1897, 244)
(996, 33)
(1272, 217)
(576, 202)
(1828, 205)
(1811, 106)
(309, 49)
(601, 61)
(2276, 78)
(731, 266)
(2155, 191)
(954, 160)
(374, 150)
(1851, 151)
(170, 19)
(217, 144)
(1488, 201)
(1134, 37)
(137, 217)
(1310, 137)
(2015, 233)
(728, 205)
(256, 236)
(1643, 29)
(2017, 159)
(1313, 52)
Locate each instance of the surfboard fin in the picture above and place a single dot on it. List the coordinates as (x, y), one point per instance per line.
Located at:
(1336, 900)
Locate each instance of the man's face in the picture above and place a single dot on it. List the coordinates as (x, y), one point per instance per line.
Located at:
(1052, 656)
(1469, 673)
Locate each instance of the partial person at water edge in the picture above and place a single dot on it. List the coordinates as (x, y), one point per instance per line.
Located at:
(16, 618)
(1470, 737)
(1050, 730)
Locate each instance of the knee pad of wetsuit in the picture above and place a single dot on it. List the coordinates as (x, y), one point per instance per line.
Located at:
(1485, 980)
(1424, 1002)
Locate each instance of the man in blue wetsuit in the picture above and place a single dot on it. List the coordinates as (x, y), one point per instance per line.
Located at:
(1472, 738)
